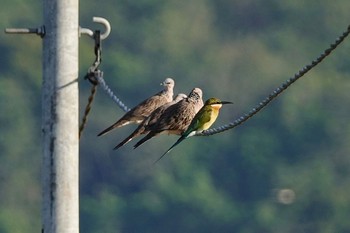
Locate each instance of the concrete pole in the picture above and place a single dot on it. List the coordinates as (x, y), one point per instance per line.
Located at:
(60, 123)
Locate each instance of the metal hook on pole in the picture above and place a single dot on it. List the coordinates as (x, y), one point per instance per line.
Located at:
(40, 31)
(102, 21)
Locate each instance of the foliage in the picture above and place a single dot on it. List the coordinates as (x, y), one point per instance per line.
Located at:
(235, 50)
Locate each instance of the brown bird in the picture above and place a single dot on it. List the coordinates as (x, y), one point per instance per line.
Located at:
(177, 117)
(146, 107)
(150, 120)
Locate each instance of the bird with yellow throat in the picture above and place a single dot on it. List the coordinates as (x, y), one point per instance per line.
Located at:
(205, 117)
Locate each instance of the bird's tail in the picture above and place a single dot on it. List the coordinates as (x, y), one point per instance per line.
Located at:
(103, 132)
(106, 130)
(118, 124)
(126, 140)
(140, 130)
(175, 144)
(146, 138)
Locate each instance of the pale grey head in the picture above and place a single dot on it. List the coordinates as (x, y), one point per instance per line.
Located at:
(179, 97)
(168, 83)
(196, 94)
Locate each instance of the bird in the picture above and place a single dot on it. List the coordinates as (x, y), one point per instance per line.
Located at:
(176, 118)
(206, 116)
(146, 107)
(150, 120)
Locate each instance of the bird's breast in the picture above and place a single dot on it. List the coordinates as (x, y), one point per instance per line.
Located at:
(213, 115)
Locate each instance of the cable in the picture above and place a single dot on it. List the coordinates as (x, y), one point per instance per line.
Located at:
(110, 93)
(278, 90)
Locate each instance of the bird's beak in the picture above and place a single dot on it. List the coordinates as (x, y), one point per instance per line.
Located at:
(226, 102)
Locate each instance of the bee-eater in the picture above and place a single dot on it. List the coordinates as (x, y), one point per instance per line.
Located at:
(150, 120)
(176, 118)
(202, 120)
(146, 107)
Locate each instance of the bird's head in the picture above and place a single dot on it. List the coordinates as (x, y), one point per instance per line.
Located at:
(196, 93)
(179, 97)
(216, 103)
(168, 83)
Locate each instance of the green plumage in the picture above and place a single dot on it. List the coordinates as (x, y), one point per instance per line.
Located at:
(201, 121)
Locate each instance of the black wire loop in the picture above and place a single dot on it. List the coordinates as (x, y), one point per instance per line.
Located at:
(93, 70)
(93, 75)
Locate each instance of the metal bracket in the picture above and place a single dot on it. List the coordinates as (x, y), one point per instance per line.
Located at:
(40, 31)
(90, 33)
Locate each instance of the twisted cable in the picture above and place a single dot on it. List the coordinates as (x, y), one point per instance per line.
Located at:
(278, 90)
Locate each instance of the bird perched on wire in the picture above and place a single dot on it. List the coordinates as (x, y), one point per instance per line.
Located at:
(150, 120)
(176, 118)
(206, 116)
(146, 107)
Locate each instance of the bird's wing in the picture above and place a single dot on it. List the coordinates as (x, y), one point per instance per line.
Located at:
(176, 117)
(146, 107)
(202, 117)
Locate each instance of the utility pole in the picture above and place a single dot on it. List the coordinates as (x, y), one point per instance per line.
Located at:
(60, 117)
(60, 111)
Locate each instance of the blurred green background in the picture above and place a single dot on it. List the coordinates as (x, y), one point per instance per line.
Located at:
(285, 170)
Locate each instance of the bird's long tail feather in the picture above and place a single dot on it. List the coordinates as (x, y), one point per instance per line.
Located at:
(175, 144)
(126, 140)
(118, 124)
(145, 138)
(139, 130)
(106, 130)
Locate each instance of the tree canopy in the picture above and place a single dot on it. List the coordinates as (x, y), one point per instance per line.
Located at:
(287, 169)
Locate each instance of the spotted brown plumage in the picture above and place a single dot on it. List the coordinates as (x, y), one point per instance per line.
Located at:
(177, 117)
(146, 107)
(150, 120)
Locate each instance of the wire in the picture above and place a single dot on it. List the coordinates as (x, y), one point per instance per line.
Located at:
(95, 76)
(110, 93)
(278, 90)
(92, 75)
(87, 109)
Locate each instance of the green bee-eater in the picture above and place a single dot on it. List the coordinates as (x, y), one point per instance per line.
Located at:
(201, 121)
